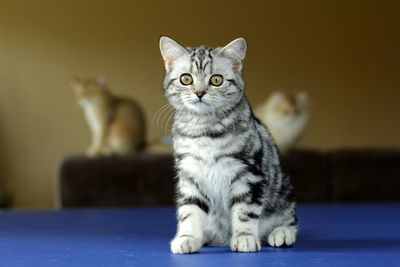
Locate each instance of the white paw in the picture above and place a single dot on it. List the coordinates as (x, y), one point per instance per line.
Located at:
(245, 243)
(185, 244)
(282, 236)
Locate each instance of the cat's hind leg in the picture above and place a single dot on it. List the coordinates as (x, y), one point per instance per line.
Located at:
(119, 141)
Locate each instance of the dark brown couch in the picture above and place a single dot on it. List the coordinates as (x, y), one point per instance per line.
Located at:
(147, 179)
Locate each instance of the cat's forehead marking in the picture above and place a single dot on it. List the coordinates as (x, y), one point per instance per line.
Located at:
(201, 59)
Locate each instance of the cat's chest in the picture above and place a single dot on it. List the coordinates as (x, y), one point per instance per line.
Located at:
(286, 128)
(92, 115)
(203, 147)
(208, 162)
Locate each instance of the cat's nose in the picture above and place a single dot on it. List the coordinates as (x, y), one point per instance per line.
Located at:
(200, 94)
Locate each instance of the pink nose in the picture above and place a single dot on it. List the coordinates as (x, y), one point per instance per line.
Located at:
(200, 94)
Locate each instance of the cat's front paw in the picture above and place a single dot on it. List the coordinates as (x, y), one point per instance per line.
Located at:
(281, 236)
(245, 243)
(185, 244)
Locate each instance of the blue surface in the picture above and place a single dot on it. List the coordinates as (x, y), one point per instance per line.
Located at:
(331, 235)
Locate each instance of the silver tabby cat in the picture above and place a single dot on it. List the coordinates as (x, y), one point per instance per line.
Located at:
(231, 189)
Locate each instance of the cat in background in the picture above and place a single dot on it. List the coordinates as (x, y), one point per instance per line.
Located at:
(231, 189)
(286, 117)
(117, 124)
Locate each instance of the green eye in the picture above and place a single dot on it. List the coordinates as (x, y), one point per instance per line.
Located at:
(216, 80)
(186, 79)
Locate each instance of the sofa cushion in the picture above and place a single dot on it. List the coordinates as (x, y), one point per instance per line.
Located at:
(365, 174)
(142, 179)
(148, 178)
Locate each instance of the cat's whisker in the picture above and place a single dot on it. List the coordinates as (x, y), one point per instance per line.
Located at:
(165, 115)
(159, 112)
(161, 116)
(166, 124)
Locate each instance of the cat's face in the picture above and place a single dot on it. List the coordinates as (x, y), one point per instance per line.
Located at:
(288, 107)
(87, 90)
(203, 79)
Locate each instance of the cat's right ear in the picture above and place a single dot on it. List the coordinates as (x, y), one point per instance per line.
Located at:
(277, 96)
(170, 50)
(76, 84)
(235, 50)
(75, 81)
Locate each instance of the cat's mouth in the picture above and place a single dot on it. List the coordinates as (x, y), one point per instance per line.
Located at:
(199, 105)
(202, 102)
(199, 102)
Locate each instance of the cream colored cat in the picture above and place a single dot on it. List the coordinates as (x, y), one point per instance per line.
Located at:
(117, 124)
(286, 117)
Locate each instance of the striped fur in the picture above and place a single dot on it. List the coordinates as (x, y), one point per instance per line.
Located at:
(231, 189)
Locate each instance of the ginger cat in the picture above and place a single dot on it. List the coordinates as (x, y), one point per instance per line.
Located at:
(117, 124)
(286, 117)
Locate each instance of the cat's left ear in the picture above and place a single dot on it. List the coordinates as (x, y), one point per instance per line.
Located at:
(235, 50)
(171, 50)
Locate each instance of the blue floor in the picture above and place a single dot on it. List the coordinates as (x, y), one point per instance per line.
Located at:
(331, 235)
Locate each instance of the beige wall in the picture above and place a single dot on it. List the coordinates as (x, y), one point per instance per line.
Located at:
(344, 53)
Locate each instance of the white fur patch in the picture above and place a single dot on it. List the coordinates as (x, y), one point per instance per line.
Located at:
(185, 244)
(245, 243)
(282, 235)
